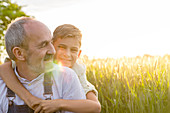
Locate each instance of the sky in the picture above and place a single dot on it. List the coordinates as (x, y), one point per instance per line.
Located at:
(110, 28)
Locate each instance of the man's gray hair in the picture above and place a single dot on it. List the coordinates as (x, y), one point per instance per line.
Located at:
(16, 35)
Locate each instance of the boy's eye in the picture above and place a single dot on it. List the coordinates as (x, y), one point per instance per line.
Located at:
(74, 50)
(62, 47)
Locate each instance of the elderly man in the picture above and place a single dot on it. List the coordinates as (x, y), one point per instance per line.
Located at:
(29, 44)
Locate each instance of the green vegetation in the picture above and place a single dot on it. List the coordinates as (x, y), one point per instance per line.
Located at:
(131, 85)
(8, 12)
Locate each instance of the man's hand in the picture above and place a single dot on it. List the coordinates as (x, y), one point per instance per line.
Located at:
(49, 106)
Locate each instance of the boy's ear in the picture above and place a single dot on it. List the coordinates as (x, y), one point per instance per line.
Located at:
(19, 53)
(79, 53)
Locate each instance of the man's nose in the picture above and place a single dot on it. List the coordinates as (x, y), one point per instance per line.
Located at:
(51, 49)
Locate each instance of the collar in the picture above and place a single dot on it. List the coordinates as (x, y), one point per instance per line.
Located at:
(23, 80)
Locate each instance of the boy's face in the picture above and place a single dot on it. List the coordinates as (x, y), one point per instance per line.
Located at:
(67, 51)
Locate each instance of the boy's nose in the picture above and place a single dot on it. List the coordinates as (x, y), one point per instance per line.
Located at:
(67, 53)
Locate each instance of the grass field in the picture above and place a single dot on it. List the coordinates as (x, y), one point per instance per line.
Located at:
(131, 85)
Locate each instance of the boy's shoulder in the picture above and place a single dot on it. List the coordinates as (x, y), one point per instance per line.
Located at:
(79, 68)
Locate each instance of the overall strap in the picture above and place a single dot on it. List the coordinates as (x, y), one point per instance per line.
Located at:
(12, 108)
(48, 85)
(10, 95)
(20, 109)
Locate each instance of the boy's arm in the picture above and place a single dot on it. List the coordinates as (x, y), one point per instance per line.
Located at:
(80, 70)
(91, 105)
(8, 76)
(89, 89)
(78, 106)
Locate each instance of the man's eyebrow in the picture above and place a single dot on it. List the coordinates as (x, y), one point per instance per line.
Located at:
(45, 41)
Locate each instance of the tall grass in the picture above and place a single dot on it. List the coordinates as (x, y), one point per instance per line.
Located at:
(131, 85)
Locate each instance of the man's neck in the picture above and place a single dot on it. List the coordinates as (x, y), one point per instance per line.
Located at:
(24, 72)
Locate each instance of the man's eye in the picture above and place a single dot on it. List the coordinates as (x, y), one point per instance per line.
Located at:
(52, 41)
(44, 44)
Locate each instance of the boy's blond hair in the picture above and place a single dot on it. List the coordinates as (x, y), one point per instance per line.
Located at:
(67, 31)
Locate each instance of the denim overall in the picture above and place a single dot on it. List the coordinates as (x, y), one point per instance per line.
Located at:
(12, 108)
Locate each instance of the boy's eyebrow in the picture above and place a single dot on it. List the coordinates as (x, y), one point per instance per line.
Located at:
(75, 47)
(62, 45)
(65, 46)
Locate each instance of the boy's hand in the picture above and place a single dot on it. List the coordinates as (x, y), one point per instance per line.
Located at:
(33, 102)
(49, 106)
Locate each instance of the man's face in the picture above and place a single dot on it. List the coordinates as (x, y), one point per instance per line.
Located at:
(67, 51)
(40, 50)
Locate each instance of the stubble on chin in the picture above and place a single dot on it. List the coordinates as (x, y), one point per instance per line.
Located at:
(37, 68)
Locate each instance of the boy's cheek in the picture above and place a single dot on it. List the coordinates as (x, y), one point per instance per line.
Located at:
(59, 54)
(75, 56)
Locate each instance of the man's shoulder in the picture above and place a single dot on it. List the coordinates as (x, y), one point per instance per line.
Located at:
(64, 75)
(61, 68)
(3, 85)
(2, 82)
(63, 71)
(3, 99)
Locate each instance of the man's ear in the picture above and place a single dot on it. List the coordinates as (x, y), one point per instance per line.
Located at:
(19, 53)
(79, 53)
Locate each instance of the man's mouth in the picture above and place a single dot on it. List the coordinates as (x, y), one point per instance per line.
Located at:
(48, 58)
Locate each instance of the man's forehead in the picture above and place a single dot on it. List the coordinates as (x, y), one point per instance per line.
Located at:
(33, 24)
(33, 27)
(37, 31)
